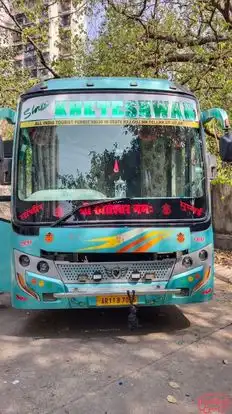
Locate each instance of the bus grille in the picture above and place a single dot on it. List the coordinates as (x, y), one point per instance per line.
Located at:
(114, 272)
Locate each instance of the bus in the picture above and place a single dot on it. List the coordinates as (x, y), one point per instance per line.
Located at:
(110, 195)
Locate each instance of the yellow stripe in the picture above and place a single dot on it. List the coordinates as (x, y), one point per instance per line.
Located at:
(62, 122)
(138, 241)
(204, 281)
(115, 241)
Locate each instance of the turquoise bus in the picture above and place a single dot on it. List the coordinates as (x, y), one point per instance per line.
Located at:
(110, 199)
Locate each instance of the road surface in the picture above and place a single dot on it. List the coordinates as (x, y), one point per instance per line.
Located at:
(84, 362)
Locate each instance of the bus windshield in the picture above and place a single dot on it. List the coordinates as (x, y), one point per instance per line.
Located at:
(145, 162)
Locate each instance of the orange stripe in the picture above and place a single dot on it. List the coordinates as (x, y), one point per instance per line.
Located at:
(132, 244)
(151, 243)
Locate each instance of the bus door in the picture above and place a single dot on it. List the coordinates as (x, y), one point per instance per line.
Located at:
(6, 145)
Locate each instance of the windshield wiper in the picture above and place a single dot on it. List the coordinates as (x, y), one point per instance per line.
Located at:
(90, 204)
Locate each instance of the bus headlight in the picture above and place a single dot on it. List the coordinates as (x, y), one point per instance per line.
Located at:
(43, 266)
(24, 260)
(203, 255)
(187, 261)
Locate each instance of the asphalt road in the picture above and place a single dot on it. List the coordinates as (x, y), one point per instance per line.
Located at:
(78, 362)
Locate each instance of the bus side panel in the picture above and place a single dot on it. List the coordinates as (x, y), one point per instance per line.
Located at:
(5, 255)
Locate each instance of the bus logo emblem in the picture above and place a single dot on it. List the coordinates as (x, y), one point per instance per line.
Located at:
(180, 237)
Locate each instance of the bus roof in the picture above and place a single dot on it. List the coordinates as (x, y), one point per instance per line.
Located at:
(103, 83)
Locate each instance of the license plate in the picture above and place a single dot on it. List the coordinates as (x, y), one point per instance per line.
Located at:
(117, 300)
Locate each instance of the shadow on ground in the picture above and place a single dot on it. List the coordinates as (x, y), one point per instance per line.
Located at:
(80, 361)
(73, 323)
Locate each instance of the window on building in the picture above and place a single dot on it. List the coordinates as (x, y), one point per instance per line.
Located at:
(65, 50)
(29, 48)
(46, 56)
(30, 61)
(65, 5)
(65, 20)
(34, 73)
(21, 18)
(18, 64)
(45, 13)
(17, 37)
(18, 50)
(42, 73)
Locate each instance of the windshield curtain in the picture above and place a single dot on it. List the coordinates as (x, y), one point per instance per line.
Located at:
(98, 162)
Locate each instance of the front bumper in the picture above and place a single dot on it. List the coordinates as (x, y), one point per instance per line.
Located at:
(52, 291)
(142, 290)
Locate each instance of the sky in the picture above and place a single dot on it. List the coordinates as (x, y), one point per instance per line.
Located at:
(93, 23)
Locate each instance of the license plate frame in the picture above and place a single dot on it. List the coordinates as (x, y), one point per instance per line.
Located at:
(114, 300)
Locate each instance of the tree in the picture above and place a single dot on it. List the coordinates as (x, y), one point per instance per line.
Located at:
(184, 40)
(187, 41)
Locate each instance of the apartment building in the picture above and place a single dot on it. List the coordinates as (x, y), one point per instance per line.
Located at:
(5, 21)
(62, 22)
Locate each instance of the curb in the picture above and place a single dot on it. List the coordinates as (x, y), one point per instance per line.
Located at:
(223, 273)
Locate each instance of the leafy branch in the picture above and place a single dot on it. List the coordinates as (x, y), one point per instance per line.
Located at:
(181, 41)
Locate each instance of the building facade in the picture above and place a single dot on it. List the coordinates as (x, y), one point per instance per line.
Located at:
(61, 21)
(5, 21)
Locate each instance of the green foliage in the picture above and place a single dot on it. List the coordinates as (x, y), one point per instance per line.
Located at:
(189, 41)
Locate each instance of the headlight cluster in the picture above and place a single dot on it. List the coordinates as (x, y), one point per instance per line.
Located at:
(42, 266)
(188, 262)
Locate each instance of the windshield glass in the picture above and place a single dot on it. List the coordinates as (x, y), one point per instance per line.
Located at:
(99, 160)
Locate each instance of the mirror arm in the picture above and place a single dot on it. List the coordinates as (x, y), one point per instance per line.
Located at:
(217, 114)
(8, 115)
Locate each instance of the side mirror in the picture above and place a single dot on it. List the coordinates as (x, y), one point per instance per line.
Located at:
(225, 147)
(7, 171)
(6, 148)
(215, 113)
(8, 114)
(225, 143)
(212, 166)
